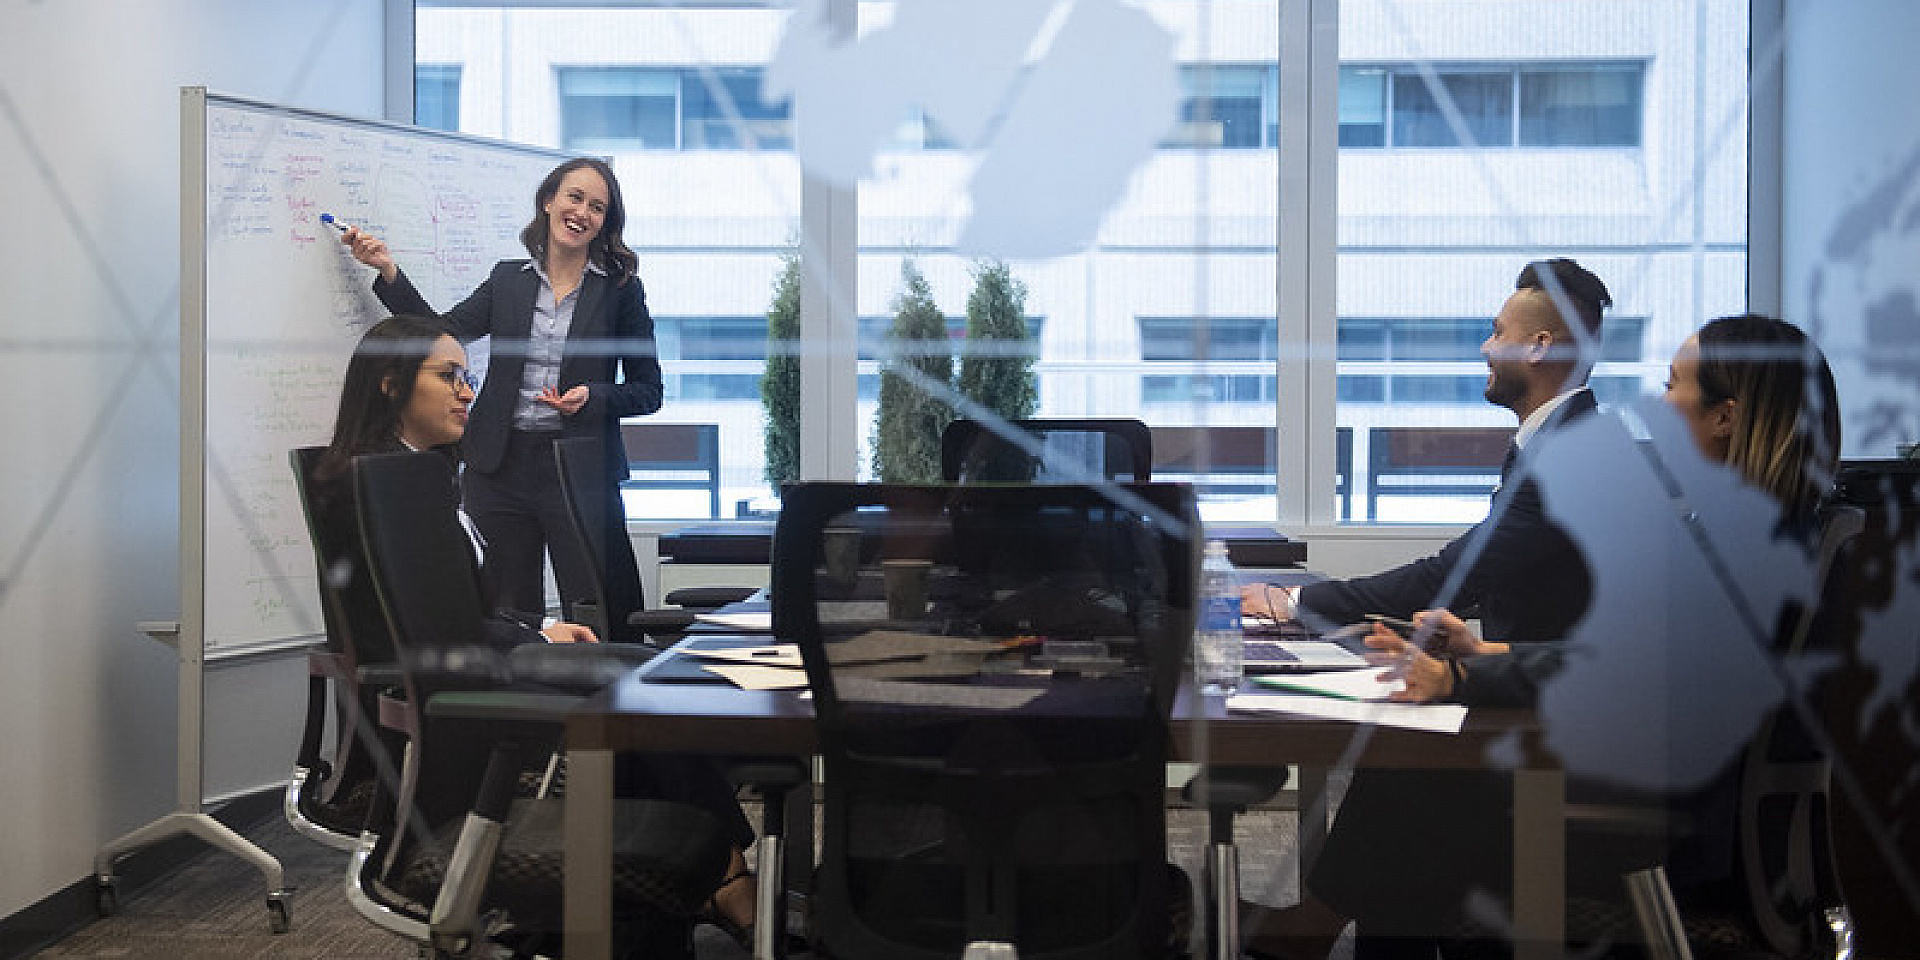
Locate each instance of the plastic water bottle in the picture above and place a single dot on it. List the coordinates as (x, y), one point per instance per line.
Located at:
(1219, 645)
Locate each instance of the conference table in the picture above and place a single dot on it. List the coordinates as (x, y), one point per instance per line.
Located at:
(645, 713)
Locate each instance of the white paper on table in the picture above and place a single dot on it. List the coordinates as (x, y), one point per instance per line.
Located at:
(1361, 683)
(755, 677)
(1431, 717)
(768, 655)
(752, 621)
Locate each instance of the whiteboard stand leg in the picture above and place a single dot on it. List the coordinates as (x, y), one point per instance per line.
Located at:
(216, 834)
(189, 819)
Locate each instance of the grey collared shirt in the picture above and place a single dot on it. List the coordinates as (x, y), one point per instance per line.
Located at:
(546, 345)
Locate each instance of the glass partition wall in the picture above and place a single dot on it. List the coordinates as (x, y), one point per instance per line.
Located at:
(1120, 168)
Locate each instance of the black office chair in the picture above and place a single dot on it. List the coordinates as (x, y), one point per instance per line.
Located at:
(333, 783)
(1784, 877)
(994, 726)
(1046, 451)
(479, 716)
(615, 606)
(1119, 450)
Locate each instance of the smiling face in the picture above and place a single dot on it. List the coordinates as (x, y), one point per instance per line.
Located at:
(1521, 332)
(435, 413)
(577, 210)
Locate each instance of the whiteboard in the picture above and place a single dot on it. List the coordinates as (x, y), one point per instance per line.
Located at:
(271, 306)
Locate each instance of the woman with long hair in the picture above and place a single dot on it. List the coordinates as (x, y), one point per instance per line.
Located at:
(407, 388)
(572, 353)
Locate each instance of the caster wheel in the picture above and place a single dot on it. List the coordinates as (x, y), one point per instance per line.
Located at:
(277, 918)
(106, 895)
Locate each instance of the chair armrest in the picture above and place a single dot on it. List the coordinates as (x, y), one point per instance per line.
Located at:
(328, 665)
(398, 715)
(708, 598)
(577, 667)
(502, 705)
(380, 674)
(662, 620)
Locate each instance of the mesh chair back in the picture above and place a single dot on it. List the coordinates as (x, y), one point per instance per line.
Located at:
(349, 607)
(427, 575)
(1046, 451)
(356, 634)
(992, 668)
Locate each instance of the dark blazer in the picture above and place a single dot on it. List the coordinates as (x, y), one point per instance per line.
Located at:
(1528, 583)
(338, 526)
(611, 330)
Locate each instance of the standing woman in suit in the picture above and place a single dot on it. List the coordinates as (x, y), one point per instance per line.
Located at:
(562, 323)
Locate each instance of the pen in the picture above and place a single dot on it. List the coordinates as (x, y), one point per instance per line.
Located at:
(327, 218)
(1403, 627)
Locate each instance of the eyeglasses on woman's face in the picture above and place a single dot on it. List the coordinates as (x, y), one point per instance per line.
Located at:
(456, 376)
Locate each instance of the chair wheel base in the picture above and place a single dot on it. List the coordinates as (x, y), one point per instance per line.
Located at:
(279, 919)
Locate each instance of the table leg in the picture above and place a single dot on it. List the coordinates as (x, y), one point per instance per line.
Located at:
(588, 851)
(1311, 804)
(1539, 864)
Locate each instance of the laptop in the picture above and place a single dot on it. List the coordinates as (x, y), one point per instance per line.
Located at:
(1289, 648)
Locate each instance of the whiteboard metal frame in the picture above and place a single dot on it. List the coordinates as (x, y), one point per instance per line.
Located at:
(188, 816)
(188, 634)
(194, 319)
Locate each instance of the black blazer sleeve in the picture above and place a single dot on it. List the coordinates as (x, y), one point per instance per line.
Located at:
(1527, 581)
(1399, 592)
(1511, 679)
(469, 320)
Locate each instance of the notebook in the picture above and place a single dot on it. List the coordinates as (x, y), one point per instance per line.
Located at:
(1288, 647)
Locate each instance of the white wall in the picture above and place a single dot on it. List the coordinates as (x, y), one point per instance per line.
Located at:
(89, 192)
(1851, 206)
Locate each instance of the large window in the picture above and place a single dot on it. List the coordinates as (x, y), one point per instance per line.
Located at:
(1468, 137)
(436, 95)
(1202, 351)
(1455, 171)
(662, 108)
(1524, 105)
(1229, 105)
(712, 358)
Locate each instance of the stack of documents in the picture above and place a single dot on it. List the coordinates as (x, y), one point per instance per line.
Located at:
(1357, 696)
(775, 666)
(746, 621)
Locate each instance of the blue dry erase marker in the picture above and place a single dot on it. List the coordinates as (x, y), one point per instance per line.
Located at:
(327, 218)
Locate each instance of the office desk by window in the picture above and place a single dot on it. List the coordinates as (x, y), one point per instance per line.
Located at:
(716, 718)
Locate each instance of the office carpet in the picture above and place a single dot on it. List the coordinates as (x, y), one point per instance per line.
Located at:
(213, 907)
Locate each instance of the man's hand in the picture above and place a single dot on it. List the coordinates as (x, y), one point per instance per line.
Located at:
(564, 632)
(1266, 601)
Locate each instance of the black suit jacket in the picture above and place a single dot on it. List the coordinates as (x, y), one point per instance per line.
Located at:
(337, 525)
(611, 330)
(1529, 581)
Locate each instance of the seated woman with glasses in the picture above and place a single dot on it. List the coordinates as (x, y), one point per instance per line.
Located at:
(407, 388)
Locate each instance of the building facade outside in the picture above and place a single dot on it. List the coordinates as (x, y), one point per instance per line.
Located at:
(1471, 136)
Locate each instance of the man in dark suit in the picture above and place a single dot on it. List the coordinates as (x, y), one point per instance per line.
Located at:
(1518, 573)
(1386, 862)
